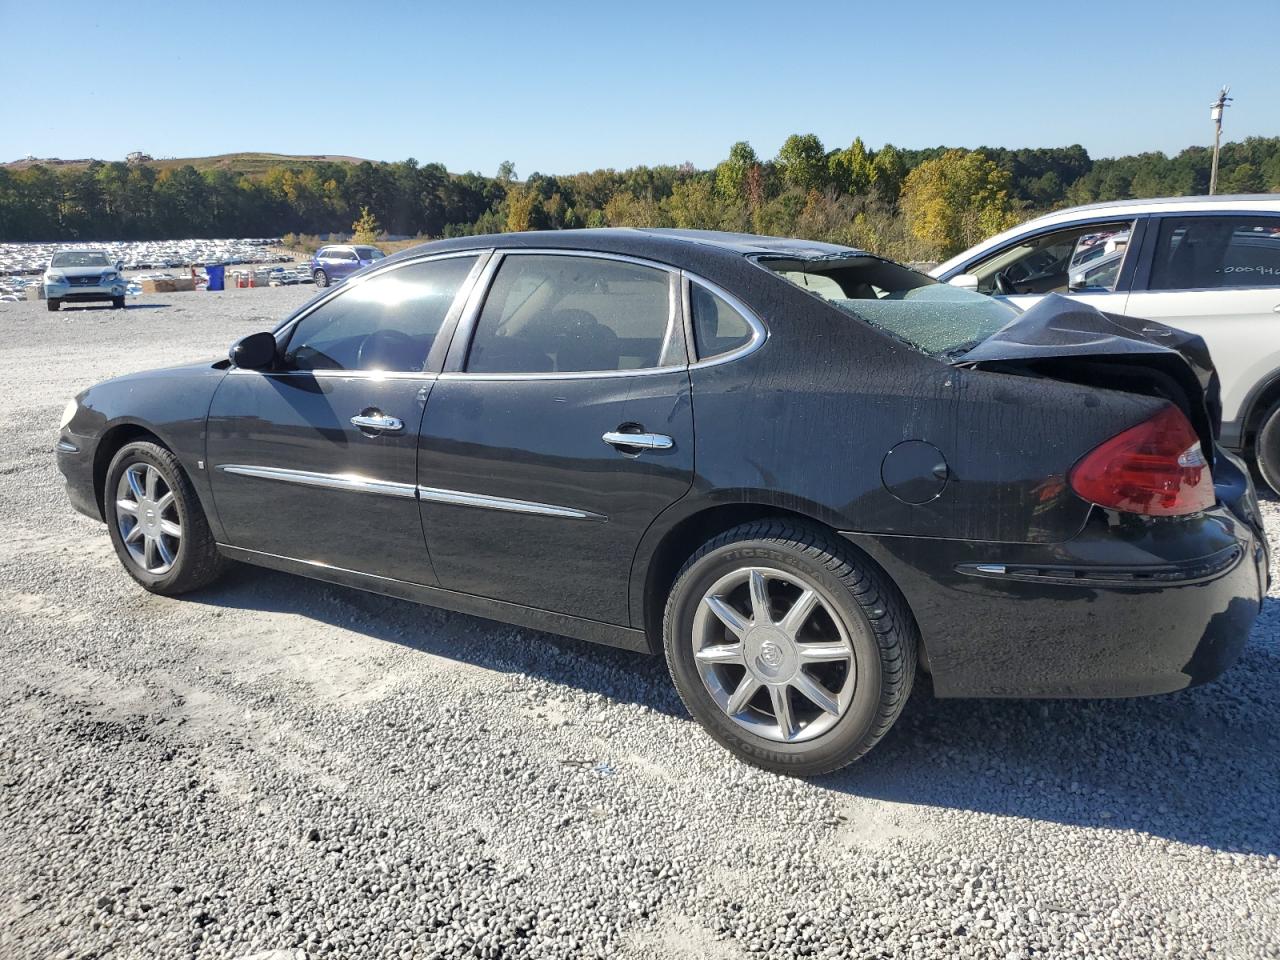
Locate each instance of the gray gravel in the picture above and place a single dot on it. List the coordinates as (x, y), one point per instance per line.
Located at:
(281, 768)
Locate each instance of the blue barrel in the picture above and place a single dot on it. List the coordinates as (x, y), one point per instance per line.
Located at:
(217, 276)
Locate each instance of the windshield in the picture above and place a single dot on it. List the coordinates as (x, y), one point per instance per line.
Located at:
(936, 318)
(79, 258)
(369, 253)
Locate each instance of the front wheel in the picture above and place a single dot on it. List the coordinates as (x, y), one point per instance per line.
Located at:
(790, 649)
(53, 303)
(321, 278)
(1266, 448)
(156, 523)
(117, 303)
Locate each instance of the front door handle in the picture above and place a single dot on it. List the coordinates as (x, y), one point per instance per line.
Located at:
(640, 441)
(377, 422)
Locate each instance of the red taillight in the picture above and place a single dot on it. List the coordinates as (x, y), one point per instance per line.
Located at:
(1156, 468)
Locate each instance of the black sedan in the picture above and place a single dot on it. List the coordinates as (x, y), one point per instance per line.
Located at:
(799, 470)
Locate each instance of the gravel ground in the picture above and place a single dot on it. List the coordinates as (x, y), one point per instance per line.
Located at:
(281, 768)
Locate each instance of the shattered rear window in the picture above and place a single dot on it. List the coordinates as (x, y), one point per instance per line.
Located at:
(935, 318)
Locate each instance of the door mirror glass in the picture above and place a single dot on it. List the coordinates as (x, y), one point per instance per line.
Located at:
(965, 281)
(257, 351)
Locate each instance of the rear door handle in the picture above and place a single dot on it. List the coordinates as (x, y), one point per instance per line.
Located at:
(378, 422)
(642, 441)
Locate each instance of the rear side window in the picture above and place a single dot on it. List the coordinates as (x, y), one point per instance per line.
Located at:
(388, 322)
(1197, 253)
(717, 327)
(569, 314)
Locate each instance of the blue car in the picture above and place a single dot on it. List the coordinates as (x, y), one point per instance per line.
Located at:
(337, 262)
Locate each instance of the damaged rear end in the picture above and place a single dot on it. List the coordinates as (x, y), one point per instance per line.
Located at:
(1087, 536)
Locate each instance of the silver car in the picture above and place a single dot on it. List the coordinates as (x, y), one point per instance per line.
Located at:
(83, 276)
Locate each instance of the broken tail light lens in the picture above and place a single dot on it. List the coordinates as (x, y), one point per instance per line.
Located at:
(1156, 468)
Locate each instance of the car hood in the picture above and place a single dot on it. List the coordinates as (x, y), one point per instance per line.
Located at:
(1061, 338)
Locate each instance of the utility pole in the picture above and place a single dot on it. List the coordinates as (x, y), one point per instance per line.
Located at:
(1215, 114)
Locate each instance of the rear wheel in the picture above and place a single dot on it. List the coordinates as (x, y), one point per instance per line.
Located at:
(321, 278)
(794, 652)
(53, 304)
(1266, 448)
(156, 523)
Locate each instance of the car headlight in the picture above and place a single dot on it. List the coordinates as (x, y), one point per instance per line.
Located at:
(110, 276)
(68, 413)
(54, 278)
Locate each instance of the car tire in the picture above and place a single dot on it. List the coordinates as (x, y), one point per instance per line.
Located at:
(117, 303)
(1266, 448)
(858, 615)
(53, 304)
(321, 278)
(173, 564)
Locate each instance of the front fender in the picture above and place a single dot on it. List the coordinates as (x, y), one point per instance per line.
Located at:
(171, 405)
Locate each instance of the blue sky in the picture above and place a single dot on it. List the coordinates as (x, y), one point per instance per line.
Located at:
(560, 87)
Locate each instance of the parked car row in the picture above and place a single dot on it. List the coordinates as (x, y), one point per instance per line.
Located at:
(31, 258)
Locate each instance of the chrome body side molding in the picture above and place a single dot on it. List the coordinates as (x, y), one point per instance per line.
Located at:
(354, 483)
(462, 499)
(350, 482)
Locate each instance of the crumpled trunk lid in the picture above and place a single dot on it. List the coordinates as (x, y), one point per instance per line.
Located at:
(1063, 339)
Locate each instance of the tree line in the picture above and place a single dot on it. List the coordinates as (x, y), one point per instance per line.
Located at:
(908, 204)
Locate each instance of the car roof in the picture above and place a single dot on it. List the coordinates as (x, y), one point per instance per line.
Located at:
(664, 245)
(1229, 203)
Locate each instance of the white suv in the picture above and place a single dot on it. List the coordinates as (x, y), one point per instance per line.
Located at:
(1210, 265)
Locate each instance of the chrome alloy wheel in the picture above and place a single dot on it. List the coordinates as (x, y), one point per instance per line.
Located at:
(147, 517)
(773, 654)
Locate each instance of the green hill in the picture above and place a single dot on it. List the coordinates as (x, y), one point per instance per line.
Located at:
(251, 163)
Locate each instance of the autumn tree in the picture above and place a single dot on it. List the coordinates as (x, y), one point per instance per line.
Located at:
(366, 228)
(850, 169)
(956, 200)
(803, 162)
(731, 174)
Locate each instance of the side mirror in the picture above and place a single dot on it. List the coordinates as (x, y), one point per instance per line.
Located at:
(257, 351)
(119, 264)
(965, 281)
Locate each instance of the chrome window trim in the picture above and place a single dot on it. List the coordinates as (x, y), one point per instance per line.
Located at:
(285, 330)
(759, 332)
(355, 483)
(471, 317)
(504, 504)
(350, 482)
(338, 374)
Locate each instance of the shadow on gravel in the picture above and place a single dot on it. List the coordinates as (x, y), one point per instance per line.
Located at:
(1200, 766)
(615, 673)
(95, 307)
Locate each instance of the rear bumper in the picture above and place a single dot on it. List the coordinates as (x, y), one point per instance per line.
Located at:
(1128, 608)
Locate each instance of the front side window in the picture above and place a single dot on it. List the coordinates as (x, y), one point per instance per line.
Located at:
(369, 253)
(1081, 258)
(571, 314)
(1197, 253)
(717, 327)
(388, 322)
